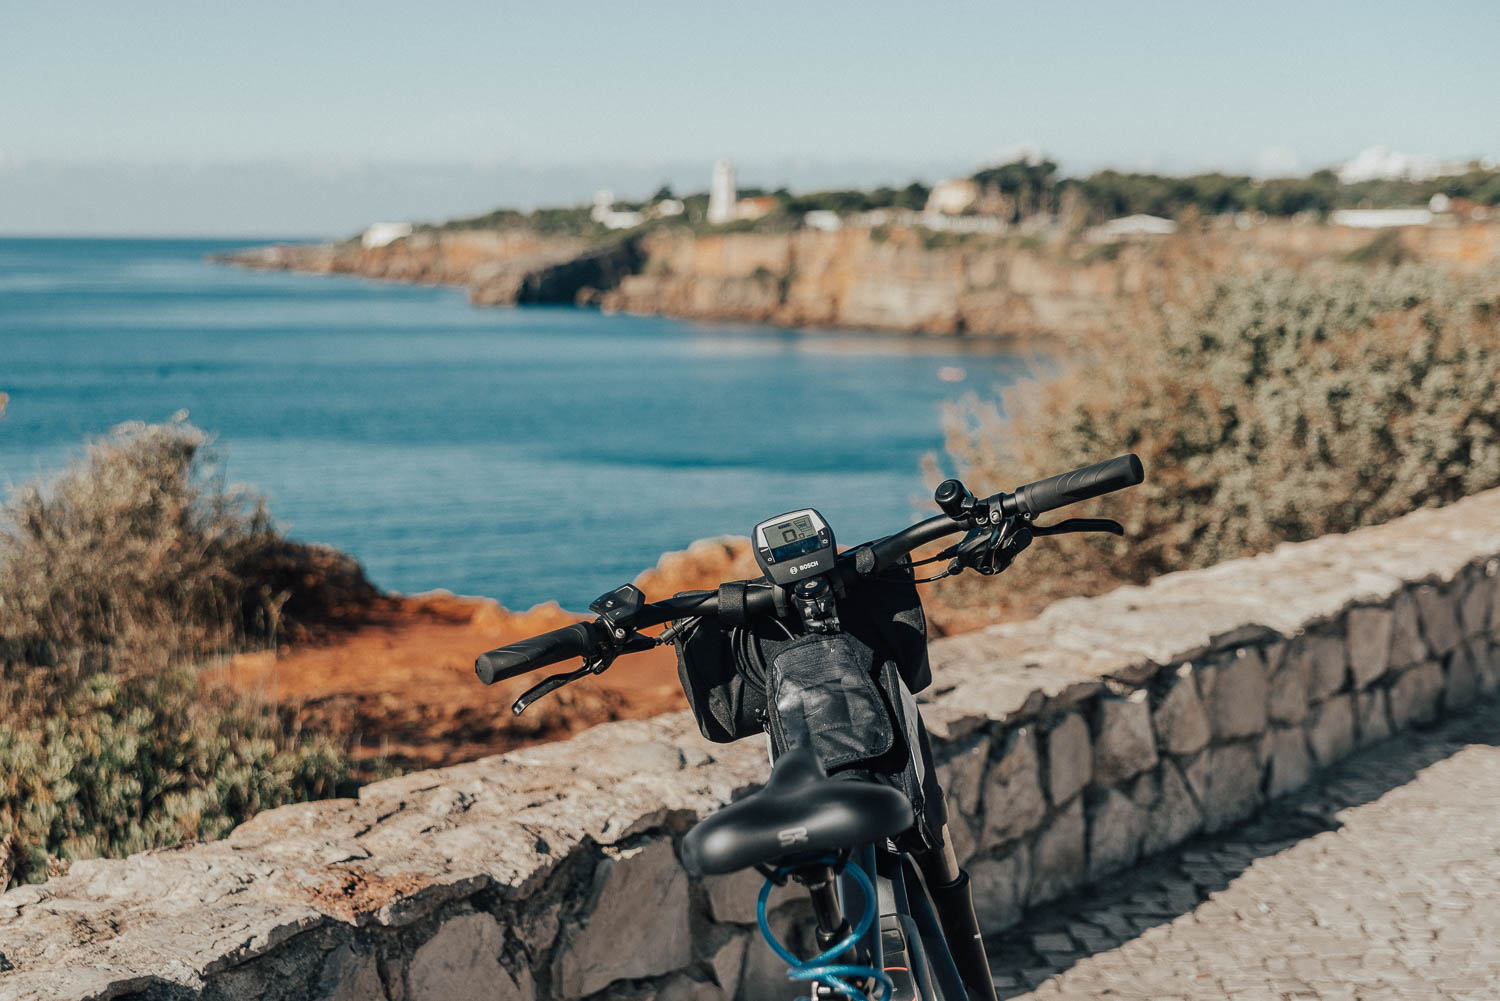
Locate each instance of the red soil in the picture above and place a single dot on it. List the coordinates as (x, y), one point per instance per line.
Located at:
(402, 682)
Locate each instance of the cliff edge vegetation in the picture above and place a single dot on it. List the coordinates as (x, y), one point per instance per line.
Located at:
(1268, 407)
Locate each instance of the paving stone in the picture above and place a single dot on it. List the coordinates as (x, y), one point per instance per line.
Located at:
(1407, 647)
(1416, 695)
(1013, 800)
(1124, 745)
(1369, 643)
(1330, 730)
(1059, 855)
(1070, 758)
(1396, 903)
(1179, 720)
(1237, 703)
(1439, 614)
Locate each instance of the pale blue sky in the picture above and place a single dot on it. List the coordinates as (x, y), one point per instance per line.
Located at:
(316, 117)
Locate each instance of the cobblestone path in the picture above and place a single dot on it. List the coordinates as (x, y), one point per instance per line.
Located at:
(1380, 881)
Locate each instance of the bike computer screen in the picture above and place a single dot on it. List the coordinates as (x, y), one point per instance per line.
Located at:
(794, 546)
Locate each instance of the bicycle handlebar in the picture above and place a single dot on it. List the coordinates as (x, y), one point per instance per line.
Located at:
(585, 639)
(1080, 484)
(524, 656)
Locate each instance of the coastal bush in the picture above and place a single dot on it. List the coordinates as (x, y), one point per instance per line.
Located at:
(139, 546)
(116, 763)
(114, 578)
(1267, 408)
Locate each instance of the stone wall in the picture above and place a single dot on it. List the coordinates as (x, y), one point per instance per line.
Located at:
(1072, 744)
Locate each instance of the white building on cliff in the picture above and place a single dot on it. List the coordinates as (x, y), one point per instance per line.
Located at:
(722, 194)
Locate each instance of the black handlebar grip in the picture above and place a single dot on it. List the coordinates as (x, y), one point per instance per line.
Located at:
(511, 661)
(1081, 484)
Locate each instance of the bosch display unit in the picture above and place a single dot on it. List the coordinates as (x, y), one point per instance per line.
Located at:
(794, 546)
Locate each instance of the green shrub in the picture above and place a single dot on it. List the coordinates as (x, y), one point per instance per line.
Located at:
(114, 577)
(1266, 408)
(115, 764)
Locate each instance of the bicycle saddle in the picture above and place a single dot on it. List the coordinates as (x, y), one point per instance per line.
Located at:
(799, 810)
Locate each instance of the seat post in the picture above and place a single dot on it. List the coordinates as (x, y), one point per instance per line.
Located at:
(822, 887)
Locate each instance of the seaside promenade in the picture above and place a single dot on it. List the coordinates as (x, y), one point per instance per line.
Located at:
(1380, 881)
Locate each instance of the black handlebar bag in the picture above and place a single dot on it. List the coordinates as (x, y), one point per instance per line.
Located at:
(723, 667)
(847, 695)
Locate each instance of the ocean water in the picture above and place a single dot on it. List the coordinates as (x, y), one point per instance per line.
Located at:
(524, 454)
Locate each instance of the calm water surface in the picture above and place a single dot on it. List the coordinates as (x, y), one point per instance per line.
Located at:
(528, 454)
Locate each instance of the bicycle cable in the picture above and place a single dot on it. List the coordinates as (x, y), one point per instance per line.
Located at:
(824, 967)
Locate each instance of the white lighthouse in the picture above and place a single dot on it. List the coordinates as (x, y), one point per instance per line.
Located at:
(722, 194)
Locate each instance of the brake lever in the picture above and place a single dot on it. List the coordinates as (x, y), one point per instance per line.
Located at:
(596, 664)
(549, 685)
(1080, 525)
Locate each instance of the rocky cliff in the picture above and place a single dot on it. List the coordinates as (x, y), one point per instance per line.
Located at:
(888, 278)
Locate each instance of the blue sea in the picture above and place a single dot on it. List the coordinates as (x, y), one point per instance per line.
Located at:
(528, 454)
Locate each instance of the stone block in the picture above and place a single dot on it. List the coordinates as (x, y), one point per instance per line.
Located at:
(1059, 855)
(611, 942)
(763, 973)
(351, 976)
(1486, 657)
(1438, 610)
(1173, 817)
(1070, 758)
(1288, 701)
(1000, 886)
(727, 961)
(1226, 781)
(962, 778)
(1179, 720)
(1368, 633)
(681, 987)
(1461, 679)
(1326, 660)
(463, 961)
(1116, 826)
(1013, 800)
(1407, 647)
(1474, 607)
(1374, 716)
(731, 897)
(1330, 730)
(1416, 695)
(1492, 571)
(1290, 764)
(1237, 705)
(1124, 745)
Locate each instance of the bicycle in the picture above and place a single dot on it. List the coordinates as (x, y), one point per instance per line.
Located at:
(823, 654)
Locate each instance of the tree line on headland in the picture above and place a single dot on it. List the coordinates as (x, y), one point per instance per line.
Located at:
(1026, 189)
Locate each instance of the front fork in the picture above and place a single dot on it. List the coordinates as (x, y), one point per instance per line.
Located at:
(953, 899)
